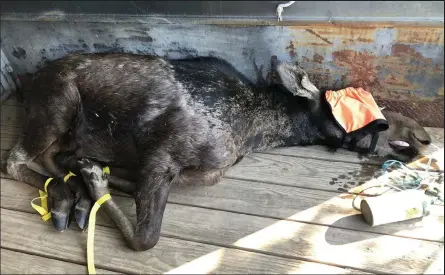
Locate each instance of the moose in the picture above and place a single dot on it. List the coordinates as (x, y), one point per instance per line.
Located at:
(157, 122)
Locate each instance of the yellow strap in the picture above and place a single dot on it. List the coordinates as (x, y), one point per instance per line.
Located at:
(106, 170)
(43, 199)
(68, 176)
(91, 227)
(43, 207)
(43, 211)
(45, 186)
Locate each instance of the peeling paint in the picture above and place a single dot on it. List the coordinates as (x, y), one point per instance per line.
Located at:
(291, 49)
(318, 58)
(400, 64)
(333, 35)
(319, 36)
(361, 71)
(400, 50)
(420, 35)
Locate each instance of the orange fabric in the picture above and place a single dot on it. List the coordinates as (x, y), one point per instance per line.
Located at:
(353, 108)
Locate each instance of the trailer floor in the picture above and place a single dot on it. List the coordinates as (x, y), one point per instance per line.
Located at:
(282, 211)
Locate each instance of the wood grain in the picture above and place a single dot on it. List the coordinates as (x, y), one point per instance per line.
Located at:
(304, 205)
(14, 262)
(27, 232)
(365, 251)
(11, 123)
(300, 172)
(307, 173)
(279, 202)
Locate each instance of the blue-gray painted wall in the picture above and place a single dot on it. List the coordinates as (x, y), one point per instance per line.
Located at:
(400, 61)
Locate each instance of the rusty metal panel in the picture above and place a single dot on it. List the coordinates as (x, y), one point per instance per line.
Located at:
(401, 64)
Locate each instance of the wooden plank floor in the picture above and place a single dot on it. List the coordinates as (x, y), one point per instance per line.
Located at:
(283, 211)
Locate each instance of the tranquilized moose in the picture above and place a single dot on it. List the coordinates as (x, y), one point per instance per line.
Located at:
(158, 122)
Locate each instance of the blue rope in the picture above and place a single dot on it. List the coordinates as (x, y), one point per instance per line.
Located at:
(414, 181)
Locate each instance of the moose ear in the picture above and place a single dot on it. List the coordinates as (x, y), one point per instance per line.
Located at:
(296, 80)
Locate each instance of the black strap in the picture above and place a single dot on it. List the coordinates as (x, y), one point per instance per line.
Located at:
(353, 143)
(375, 138)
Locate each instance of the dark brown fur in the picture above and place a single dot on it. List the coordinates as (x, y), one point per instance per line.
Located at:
(157, 122)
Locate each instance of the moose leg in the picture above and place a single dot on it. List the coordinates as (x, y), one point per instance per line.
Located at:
(151, 199)
(51, 112)
(122, 180)
(121, 184)
(65, 162)
(56, 164)
(25, 151)
(119, 178)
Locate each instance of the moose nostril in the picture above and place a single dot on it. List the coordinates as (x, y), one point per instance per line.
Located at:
(423, 140)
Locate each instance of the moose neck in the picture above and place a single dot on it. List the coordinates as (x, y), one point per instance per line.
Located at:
(287, 121)
(304, 117)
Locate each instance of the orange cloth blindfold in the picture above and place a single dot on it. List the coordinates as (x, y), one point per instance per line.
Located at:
(356, 111)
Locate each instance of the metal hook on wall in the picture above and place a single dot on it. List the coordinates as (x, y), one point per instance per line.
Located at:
(281, 7)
